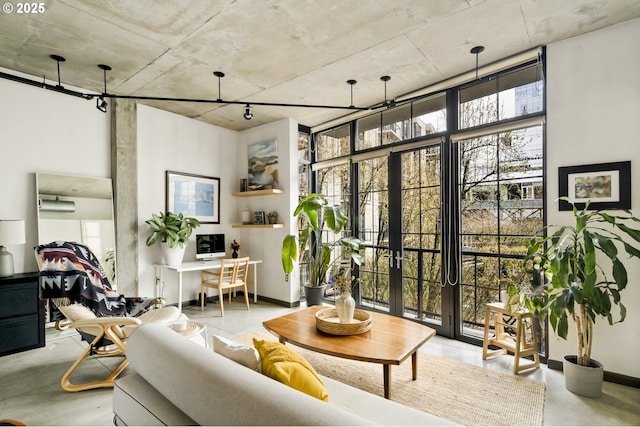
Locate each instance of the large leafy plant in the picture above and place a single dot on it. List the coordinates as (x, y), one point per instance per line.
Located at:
(584, 273)
(173, 229)
(315, 210)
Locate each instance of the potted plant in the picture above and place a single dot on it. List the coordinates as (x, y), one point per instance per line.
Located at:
(314, 209)
(173, 232)
(273, 217)
(579, 286)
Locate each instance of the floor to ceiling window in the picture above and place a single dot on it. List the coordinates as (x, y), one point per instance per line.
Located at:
(446, 189)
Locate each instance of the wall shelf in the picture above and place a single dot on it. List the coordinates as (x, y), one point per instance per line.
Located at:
(257, 225)
(254, 193)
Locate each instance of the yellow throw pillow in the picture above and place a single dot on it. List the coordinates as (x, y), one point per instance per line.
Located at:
(285, 365)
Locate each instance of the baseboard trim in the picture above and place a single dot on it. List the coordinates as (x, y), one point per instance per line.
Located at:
(612, 377)
(214, 299)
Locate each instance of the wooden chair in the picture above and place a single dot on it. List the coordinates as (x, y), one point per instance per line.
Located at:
(232, 274)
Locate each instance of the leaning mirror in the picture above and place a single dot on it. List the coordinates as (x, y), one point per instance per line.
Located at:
(78, 209)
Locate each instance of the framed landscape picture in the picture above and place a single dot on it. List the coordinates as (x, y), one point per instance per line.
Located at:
(193, 195)
(263, 165)
(606, 185)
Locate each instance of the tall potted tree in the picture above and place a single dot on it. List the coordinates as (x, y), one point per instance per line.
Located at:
(584, 276)
(315, 210)
(173, 232)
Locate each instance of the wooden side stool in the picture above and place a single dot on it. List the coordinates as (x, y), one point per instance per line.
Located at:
(525, 344)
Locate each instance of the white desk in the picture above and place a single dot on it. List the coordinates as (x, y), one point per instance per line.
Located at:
(199, 266)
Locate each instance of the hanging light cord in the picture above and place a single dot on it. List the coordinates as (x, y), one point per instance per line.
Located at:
(450, 256)
(539, 85)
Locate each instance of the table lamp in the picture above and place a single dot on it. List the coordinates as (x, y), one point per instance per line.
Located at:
(11, 233)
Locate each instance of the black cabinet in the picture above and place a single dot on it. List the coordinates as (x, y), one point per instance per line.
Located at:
(21, 313)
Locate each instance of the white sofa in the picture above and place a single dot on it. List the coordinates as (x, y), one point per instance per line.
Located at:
(177, 382)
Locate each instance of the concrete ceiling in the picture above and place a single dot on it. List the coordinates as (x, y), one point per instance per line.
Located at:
(282, 51)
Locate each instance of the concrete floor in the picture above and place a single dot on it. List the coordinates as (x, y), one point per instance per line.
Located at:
(31, 391)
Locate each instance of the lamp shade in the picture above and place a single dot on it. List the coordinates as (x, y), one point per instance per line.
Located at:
(12, 232)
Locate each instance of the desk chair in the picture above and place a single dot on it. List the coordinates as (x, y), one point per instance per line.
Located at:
(232, 274)
(73, 279)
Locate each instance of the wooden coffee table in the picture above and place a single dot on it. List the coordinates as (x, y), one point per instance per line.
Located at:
(390, 341)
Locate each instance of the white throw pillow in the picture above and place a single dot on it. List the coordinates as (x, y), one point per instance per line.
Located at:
(242, 354)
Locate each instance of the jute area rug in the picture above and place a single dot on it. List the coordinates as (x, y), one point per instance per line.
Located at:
(452, 390)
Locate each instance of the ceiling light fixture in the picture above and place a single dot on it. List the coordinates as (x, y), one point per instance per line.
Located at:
(219, 75)
(351, 83)
(101, 104)
(476, 51)
(58, 59)
(386, 103)
(248, 112)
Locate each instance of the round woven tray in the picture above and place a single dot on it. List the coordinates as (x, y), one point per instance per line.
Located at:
(327, 321)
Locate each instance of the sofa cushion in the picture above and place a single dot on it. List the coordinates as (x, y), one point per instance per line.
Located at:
(288, 367)
(242, 354)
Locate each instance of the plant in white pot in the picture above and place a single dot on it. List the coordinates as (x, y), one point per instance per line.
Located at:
(584, 276)
(173, 232)
(315, 210)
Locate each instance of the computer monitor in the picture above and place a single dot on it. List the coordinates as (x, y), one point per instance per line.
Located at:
(209, 246)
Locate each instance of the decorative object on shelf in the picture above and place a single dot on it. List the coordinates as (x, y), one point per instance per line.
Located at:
(584, 275)
(235, 247)
(11, 233)
(263, 165)
(273, 217)
(246, 216)
(195, 195)
(603, 185)
(258, 217)
(173, 232)
(317, 213)
(327, 321)
(244, 184)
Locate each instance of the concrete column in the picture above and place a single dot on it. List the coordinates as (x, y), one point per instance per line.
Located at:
(124, 172)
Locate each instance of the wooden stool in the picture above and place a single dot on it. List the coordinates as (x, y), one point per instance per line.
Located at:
(524, 344)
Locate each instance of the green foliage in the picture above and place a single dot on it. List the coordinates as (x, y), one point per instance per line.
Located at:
(174, 229)
(315, 209)
(578, 284)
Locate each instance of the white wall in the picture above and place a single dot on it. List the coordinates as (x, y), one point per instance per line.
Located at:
(168, 141)
(593, 112)
(44, 131)
(266, 244)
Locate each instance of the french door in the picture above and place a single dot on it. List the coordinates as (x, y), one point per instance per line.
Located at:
(399, 211)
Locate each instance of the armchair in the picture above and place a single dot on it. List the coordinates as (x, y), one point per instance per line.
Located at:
(73, 279)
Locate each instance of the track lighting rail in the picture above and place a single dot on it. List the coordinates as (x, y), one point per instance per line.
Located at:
(222, 101)
(101, 103)
(45, 85)
(90, 96)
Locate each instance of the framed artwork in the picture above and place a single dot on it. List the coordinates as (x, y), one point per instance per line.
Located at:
(263, 165)
(258, 217)
(193, 195)
(606, 185)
